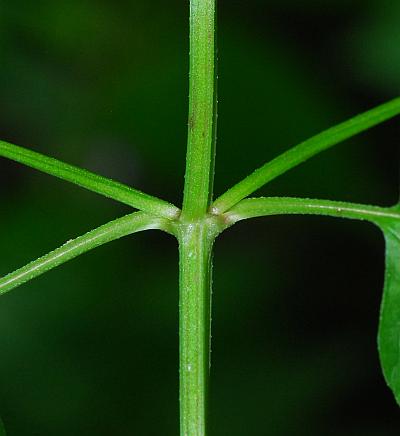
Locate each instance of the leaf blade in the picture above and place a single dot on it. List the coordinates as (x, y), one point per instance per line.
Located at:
(388, 219)
(389, 322)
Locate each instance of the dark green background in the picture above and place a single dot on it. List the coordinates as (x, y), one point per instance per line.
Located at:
(92, 348)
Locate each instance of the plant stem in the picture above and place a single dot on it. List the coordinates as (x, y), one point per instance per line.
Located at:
(195, 247)
(195, 230)
(202, 110)
(257, 207)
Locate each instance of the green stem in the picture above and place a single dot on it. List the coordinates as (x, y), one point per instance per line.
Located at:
(202, 110)
(102, 185)
(304, 151)
(116, 229)
(195, 247)
(195, 231)
(257, 207)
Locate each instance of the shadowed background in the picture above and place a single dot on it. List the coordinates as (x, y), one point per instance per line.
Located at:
(92, 348)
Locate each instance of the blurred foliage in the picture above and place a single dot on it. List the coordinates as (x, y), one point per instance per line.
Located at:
(91, 348)
(374, 46)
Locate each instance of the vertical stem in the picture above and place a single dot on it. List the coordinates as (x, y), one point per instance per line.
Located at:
(196, 234)
(202, 110)
(195, 246)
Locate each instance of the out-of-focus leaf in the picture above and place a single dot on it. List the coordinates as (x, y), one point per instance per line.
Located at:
(389, 326)
(2, 429)
(373, 46)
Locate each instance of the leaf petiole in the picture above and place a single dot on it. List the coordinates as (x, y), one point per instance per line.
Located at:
(86, 179)
(116, 229)
(304, 151)
(266, 206)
